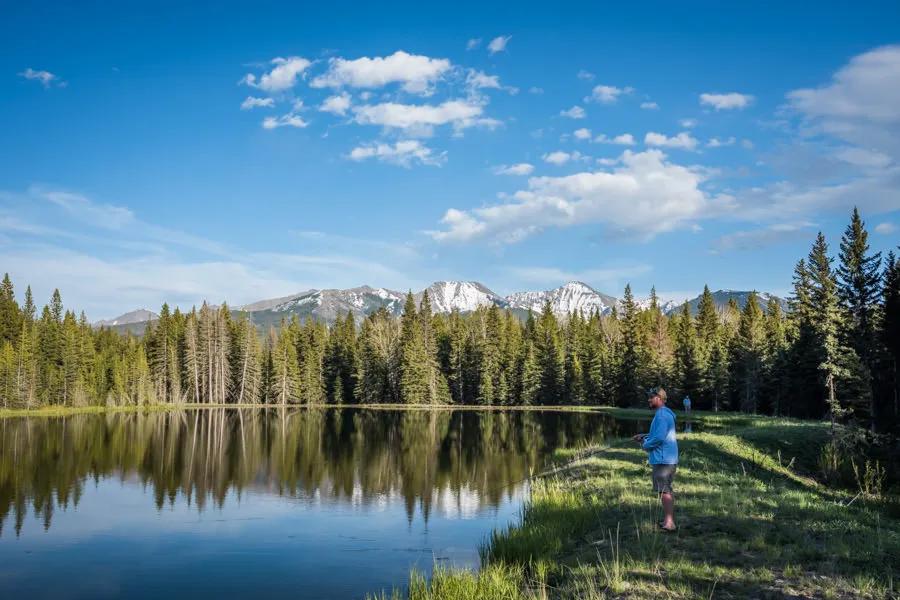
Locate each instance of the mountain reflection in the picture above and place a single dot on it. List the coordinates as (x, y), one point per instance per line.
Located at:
(461, 460)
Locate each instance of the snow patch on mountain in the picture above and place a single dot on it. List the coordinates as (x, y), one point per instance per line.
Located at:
(572, 297)
(140, 315)
(464, 296)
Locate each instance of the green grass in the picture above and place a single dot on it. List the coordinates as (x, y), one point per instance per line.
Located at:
(753, 523)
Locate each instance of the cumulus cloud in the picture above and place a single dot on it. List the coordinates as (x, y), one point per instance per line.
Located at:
(516, 169)
(290, 119)
(421, 118)
(861, 104)
(498, 44)
(46, 78)
(282, 77)
(415, 73)
(644, 196)
(607, 94)
(576, 112)
(649, 105)
(624, 139)
(535, 90)
(252, 102)
(730, 101)
(336, 105)
(585, 75)
(473, 43)
(715, 142)
(688, 123)
(582, 134)
(885, 228)
(683, 140)
(557, 158)
(403, 153)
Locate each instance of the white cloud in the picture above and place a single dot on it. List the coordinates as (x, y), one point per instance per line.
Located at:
(403, 153)
(861, 104)
(517, 169)
(688, 123)
(557, 158)
(473, 43)
(649, 105)
(624, 139)
(607, 94)
(415, 73)
(252, 102)
(290, 119)
(885, 228)
(498, 44)
(282, 77)
(46, 78)
(730, 101)
(585, 75)
(582, 134)
(646, 195)
(576, 112)
(336, 105)
(715, 142)
(420, 118)
(83, 209)
(755, 239)
(535, 90)
(604, 278)
(477, 80)
(683, 140)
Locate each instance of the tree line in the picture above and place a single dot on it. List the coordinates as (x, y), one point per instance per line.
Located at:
(834, 352)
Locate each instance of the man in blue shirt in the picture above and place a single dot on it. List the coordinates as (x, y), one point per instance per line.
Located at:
(662, 453)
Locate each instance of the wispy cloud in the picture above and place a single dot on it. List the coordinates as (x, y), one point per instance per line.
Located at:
(404, 153)
(729, 101)
(499, 43)
(45, 78)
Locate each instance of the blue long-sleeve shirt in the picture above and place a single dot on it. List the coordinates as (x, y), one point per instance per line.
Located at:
(660, 443)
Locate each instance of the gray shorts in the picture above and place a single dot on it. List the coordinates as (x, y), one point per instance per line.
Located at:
(663, 476)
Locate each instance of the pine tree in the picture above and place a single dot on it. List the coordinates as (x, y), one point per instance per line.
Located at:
(629, 382)
(750, 354)
(890, 338)
(839, 367)
(549, 353)
(687, 371)
(658, 343)
(10, 315)
(708, 343)
(859, 274)
(775, 366)
(286, 365)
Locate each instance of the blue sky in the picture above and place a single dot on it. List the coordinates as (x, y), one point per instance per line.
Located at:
(180, 152)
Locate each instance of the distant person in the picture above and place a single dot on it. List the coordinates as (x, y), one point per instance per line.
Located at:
(687, 404)
(662, 453)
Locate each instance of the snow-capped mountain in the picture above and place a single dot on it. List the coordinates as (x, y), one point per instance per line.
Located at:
(326, 305)
(572, 297)
(464, 296)
(141, 315)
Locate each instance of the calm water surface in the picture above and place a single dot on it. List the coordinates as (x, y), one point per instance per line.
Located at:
(300, 503)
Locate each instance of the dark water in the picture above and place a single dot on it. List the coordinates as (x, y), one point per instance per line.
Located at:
(301, 503)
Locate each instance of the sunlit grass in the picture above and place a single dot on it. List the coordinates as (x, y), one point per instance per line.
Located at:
(753, 522)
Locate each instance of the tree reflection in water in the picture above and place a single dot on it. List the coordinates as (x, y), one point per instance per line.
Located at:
(339, 455)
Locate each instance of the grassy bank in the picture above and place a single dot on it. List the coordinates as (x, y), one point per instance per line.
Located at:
(753, 523)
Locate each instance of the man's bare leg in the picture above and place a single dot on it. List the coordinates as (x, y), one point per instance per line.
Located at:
(668, 504)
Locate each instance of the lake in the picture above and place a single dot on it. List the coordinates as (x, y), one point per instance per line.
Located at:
(302, 503)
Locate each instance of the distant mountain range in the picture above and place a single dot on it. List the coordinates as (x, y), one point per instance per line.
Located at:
(446, 296)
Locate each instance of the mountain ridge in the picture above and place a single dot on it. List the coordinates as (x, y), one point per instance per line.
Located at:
(445, 296)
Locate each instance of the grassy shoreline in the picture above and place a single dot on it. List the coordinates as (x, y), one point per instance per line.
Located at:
(753, 523)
